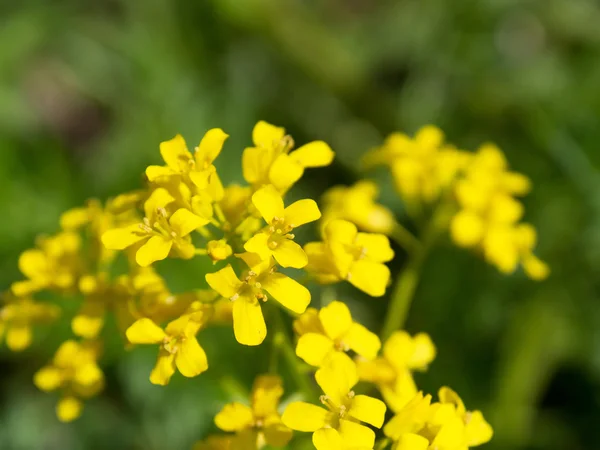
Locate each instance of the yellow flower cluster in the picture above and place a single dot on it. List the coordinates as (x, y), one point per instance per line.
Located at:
(248, 231)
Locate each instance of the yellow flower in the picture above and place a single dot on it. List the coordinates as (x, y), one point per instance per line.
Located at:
(334, 331)
(338, 426)
(75, 372)
(276, 240)
(248, 321)
(219, 250)
(178, 346)
(18, 315)
(159, 233)
(259, 424)
(346, 254)
(421, 166)
(489, 214)
(54, 264)
(197, 169)
(235, 206)
(446, 425)
(391, 372)
(357, 205)
(270, 161)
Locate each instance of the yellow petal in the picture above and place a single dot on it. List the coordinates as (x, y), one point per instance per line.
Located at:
(155, 249)
(33, 263)
(423, 352)
(225, 282)
(277, 435)
(210, 146)
(410, 441)
(266, 135)
(337, 377)
(447, 395)
(341, 231)
(375, 247)
(89, 320)
(88, 375)
(266, 392)
(368, 409)
(269, 203)
(356, 435)
(67, 354)
(18, 337)
(248, 321)
(23, 288)
(284, 172)
(313, 348)
(369, 277)
(184, 222)
(254, 164)
(287, 291)
(477, 429)
(451, 435)
(145, 331)
(398, 349)
(466, 228)
(48, 378)
(164, 368)
(305, 417)
(336, 319)
(74, 218)
(234, 417)
(154, 173)
(121, 238)
(313, 154)
(308, 322)
(301, 212)
(362, 341)
(259, 244)
(290, 254)
(175, 153)
(68, 409)
(535, 268)
(160, 198)
(327, 439)
(191, 359)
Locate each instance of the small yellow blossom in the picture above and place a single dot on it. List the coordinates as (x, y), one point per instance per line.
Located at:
(219, 250)
(17, 317)
(178, 346)
(75, 372)
(333, 331)
(422, 166)
(259, 424)
(198, 169)
(357, 204)
(345, 410)
(248, 321)
(276, 239)
(489, 214)
(271, 160)
(159, 233)
(54, 264)
(391, 372)
(346, 254)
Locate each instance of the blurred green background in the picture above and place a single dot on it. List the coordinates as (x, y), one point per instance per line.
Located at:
(89, 89)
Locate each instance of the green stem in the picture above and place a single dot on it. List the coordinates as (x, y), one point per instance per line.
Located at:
(405, 239)
(382, 444)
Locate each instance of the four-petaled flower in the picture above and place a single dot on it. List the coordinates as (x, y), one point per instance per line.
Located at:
(338, 426)
(178, 346)
(248, 321)
(329, 330)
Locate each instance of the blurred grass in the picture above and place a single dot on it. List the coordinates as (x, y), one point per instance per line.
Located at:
(87, 91)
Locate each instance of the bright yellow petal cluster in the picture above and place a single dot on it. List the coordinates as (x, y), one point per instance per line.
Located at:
(346, 254)
(422, 166)
(73, 371)
(339, 425)
(329, 330)
(444, 425)
(357, 204)
(259, 424)
(392, 371)
(489, 215)
(273, 162)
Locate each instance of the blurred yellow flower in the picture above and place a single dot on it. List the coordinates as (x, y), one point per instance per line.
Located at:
(332, 330)
(339, 424)
(75, 372)
(276, 239)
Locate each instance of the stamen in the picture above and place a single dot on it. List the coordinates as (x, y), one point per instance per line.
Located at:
(234, 297)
